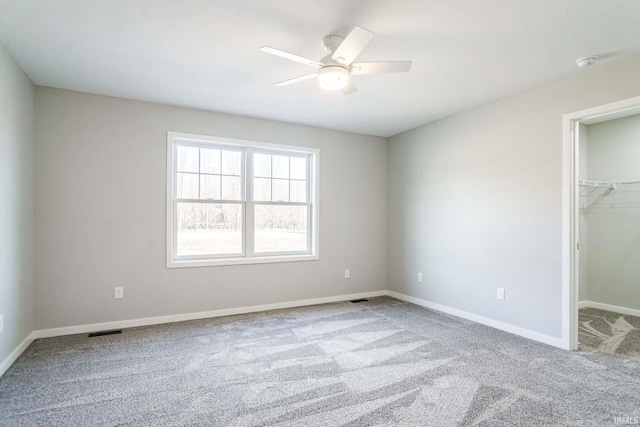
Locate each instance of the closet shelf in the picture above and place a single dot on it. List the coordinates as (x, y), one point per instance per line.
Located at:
(606, 184)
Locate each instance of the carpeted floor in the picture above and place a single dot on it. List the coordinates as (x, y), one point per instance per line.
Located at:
(382, 362)
(607, 332)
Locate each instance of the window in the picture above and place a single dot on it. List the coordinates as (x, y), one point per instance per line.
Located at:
(239, 202)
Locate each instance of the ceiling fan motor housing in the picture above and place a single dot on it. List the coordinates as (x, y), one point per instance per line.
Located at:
(331, 43)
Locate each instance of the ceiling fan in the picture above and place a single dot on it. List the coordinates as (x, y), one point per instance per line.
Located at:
(335, 69)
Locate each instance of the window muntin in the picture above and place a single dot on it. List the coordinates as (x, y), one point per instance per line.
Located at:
(240, 203)
(208, 173)
(280, 178)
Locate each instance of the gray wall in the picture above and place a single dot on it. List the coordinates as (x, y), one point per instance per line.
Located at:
(16, 203)
(475, 200)
(100, 214)
(614, 222)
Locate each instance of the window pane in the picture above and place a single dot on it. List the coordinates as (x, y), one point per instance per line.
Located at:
(187, 159)
(231, 162)
(187, 186)
(231, 188)
(262, 189)
(208, 229)
(280, 229)
(298, 168)
(210, 187)
(280, 190)
(262, 165)
(280, 167)
(298, 191)
(209, 161)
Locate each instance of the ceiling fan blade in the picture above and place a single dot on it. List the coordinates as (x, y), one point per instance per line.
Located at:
(351, 46)
(380, 67)
(291, 56)
(297, 79)
(349, 88)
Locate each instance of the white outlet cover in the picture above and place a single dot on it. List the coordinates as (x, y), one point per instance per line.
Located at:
(501, 293)
(119, 293)
(347, 274)
(419, 277)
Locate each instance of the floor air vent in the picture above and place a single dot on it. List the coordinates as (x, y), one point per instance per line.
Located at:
(358, 300)
(101, 333)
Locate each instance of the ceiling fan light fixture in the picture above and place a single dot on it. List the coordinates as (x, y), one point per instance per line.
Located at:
(333, 77)
(335, 69)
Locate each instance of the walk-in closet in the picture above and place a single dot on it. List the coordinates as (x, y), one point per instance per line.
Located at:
(609, 236)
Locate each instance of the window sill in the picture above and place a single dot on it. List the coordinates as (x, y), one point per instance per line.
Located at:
(239, 261)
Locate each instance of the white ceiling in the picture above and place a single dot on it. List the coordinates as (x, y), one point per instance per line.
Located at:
(204, 53)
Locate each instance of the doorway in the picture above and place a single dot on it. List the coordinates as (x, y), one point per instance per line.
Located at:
(600, 194)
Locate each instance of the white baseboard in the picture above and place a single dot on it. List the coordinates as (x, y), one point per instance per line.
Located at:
(8, 361)
(609, 307)
(79, 329)
(120, 324)
(536, 336)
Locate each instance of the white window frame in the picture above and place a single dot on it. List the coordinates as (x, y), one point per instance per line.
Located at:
(247, 148)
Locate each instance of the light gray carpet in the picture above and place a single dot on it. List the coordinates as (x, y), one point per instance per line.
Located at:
(607, 332)
(381, 362)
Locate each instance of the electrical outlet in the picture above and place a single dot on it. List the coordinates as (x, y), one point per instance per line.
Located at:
(500, 293)
(119, 293)
(419, 277)
(2, 323)
(347, 274)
